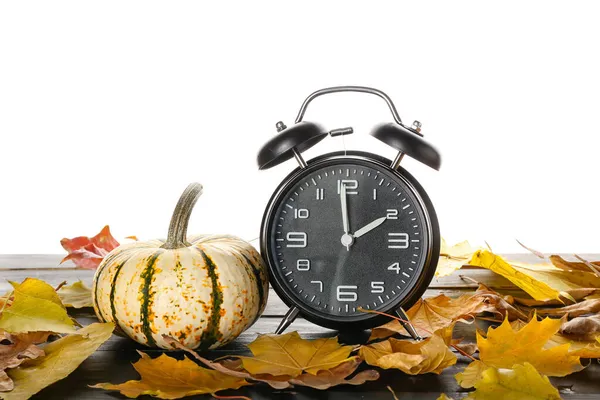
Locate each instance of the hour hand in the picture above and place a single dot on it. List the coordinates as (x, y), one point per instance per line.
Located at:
(369, 227)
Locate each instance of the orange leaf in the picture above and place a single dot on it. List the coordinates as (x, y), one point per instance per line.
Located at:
(88, 253)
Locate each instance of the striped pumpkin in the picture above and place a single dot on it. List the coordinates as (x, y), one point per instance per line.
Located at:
(204, 291)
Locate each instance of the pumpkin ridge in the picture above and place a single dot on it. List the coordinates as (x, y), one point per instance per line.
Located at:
(259, 285)
(108, 260)
(112, 294)
(105, 263)
(147, 297)
(211, 334)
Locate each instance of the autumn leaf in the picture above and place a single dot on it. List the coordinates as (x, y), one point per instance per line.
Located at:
(77, 295)
(322, 380)
(521, 382)
(36, 307)
(505, 347)
(61, 358)
(86, 252)
(576, 295)
(540, 282)
(430, 314)
(291, 355)
(471, 374)
(572, 310)
(582, 328)
(167, 378)
(561, 263)
(413, 358)
(15, 349)
(444, 396)
(453, 257)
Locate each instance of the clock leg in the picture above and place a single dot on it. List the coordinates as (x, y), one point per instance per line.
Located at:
(288, 318)
(407, 325)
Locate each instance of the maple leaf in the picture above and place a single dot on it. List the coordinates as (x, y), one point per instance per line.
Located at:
(521, 382)
(322, 380)
(453, 257)
(430, 314)
(581, 348)
(291, 355)
(413, 358)
(36, 307)
(168, 378)
(505, 347)
(540, 282)
(15, 349)
(88, 253)
(77, 295)
(61, 358)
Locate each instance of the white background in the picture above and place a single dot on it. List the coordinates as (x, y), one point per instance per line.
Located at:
(109, 109)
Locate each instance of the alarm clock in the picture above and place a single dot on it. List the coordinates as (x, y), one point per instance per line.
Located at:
(350, 231)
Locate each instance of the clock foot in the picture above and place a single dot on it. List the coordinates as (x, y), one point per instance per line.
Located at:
(288, 318)
(407, 325)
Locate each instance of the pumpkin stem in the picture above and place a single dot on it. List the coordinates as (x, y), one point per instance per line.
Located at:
(176, 239)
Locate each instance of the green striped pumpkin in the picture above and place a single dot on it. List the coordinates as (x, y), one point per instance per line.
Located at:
(203, 291)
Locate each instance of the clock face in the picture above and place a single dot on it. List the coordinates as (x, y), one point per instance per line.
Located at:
(332, 268)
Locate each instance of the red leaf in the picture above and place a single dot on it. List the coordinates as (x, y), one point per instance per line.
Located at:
(86, 252)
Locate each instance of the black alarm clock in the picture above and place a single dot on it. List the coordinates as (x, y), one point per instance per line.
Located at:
(350, 231)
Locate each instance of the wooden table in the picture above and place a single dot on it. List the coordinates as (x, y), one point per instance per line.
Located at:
(112, 362)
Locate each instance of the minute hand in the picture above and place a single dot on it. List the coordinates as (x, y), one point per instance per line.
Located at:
(369, 227)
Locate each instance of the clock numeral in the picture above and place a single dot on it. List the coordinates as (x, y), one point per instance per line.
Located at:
(377, 287)
(320, 283)
(398, 241)
(395, 267)
(303, 265)
(320, 194)
(392, 213)
(301, 213)
(296, 239)
(345, 293)
(351, 186)
(374, 194)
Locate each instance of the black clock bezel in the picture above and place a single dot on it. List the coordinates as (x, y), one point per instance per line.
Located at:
(432, 253)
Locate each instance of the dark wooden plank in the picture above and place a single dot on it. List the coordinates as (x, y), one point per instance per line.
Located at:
(112, 364)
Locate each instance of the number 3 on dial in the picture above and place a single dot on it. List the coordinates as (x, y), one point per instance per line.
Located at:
(398, 241)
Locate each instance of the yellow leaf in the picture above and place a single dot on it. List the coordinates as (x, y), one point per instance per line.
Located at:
(430, 314)
(505, 347)
(429, 355)
(36, 307)
(540, 282)
(522, 382)
(583, 349)
(167, 378)
(471, 374)
(77, 295)
(537, 290)
(291, 355)
(453, 258)
(62, 357)
(322, 380)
